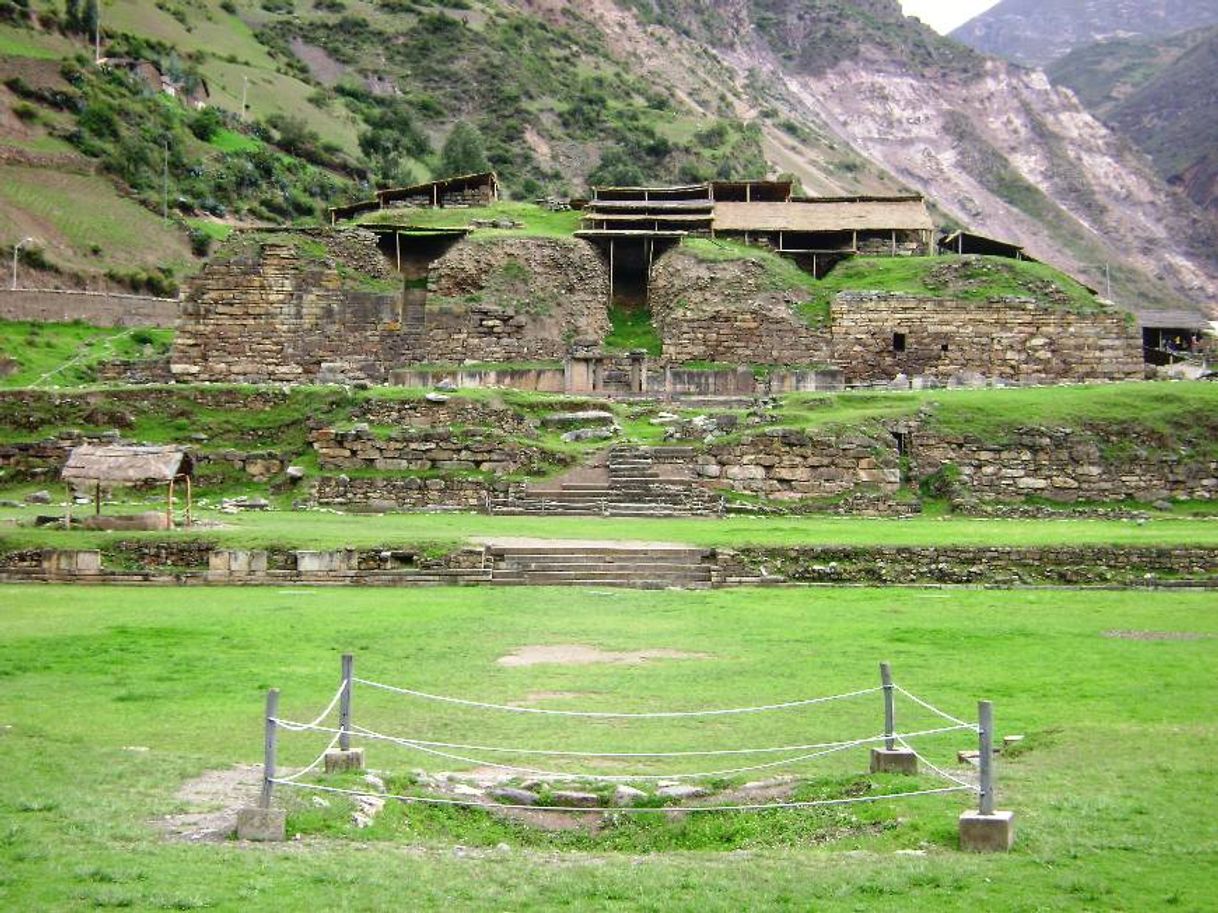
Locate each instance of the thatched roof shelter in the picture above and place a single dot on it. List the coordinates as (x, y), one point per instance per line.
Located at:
(826, 215)
(113, 464)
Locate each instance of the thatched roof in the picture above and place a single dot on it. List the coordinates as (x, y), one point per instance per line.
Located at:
(899, 214)
(126, 465)
(440, 187)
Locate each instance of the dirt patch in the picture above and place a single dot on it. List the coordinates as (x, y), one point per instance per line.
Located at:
(1157, 635)
(582, 655)
(213, 800)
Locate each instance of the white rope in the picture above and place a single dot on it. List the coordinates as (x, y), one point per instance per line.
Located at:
(935, 710)
(563, 753)
(609, 715)
(316, 761)
(951, 778)
(491, 806)
(605, 778)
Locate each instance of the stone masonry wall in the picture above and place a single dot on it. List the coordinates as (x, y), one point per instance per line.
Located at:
(425, 450)
(410, 493)
(729, 312)
(103, 309)
(277, 314)
(1064, 465)
(515, 299)
(786, 465)
(1013, 339)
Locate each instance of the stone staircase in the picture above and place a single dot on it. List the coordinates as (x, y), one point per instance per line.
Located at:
(629, 485)
(653, 567)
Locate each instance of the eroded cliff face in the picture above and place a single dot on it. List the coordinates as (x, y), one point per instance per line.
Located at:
(995, 146)
(1012, 156)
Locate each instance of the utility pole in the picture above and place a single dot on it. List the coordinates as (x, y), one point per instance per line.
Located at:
(245, 88)
(165, 190)
(1107, 280)
(97, 35)
(17, 250)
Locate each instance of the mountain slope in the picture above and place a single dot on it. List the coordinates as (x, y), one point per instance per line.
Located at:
(1036, 32)
(850, 97)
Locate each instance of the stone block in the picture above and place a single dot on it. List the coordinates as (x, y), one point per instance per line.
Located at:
(987, 833)
(262, 824)
(896, 761)
(339, 761)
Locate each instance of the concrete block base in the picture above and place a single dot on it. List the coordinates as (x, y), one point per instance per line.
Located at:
(338, 761)
(987, 833)
(264, 824)
(896, 761)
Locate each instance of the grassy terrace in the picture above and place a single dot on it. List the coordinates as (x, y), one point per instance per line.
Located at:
(1109, 772)
(317, 529)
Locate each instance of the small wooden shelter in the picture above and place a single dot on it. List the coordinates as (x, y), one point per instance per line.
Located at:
(110, 465)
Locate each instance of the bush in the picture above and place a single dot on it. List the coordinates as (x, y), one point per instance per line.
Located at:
(200, 242)
(207, 123)
(24, 111)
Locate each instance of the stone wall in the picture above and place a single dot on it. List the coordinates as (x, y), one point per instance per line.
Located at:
(457, 411)
(103, 309)
(272, 311)
(424, 450)
(786, 465)
(278, 315)
(411, 493)
(515, 299)
(878, 336)
(1064, 464)
(1083, 566)
(730, 312)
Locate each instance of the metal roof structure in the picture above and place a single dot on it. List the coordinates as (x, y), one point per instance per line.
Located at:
(126, 465)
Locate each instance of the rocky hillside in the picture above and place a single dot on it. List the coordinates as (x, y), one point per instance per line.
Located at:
(850, 97)
(1160, 94)
(1037, 32)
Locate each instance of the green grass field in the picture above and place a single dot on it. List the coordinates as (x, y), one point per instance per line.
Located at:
(111, 699)
(66, 353)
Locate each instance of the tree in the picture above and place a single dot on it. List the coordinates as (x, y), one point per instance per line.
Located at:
(71, 15)
(464, 152)
(90, 19)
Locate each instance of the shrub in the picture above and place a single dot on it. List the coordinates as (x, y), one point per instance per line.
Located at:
(206, 123)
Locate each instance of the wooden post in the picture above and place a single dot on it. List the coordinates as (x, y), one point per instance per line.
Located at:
(890, 716)
(894, 242)
(67, 519)
(344, 704)
(985, 744)
(612, 242)
(269, 746)
(169, 507)
(97, 498)
(856, 241)
(189, 502)
(397, 243)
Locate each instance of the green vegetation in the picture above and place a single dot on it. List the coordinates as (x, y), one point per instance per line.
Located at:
(61, 354)
(90, 772)
(631, 330)
(536, 221)
(970, 278)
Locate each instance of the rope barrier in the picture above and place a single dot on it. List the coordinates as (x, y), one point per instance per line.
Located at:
(951, 778)
(491, 806)
(935, 710)
(315, 763)
(612, 715)
(605, 778)
(293, 726)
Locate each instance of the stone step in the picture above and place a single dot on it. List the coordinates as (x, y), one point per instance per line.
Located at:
(641, 568)
(594, 578)
(591, 551)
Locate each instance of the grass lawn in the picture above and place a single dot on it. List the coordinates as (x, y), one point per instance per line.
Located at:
(66, 353)
(112, 698)
(321, 529)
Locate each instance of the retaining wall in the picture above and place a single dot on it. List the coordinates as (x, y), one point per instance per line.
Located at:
(103, 309)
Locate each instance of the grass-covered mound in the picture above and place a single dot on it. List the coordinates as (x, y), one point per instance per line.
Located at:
(971, 278)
